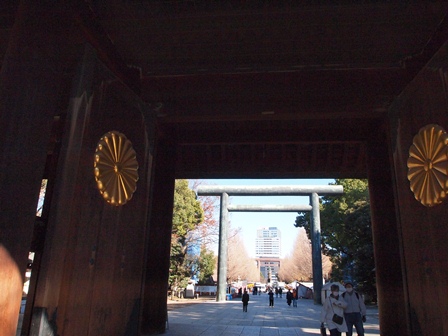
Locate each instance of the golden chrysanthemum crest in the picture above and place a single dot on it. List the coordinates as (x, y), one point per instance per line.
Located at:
(428, 165)
(115, 168)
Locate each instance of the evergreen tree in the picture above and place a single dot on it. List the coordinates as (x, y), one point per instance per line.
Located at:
(187, 215)
(347, 234)
(206, 265)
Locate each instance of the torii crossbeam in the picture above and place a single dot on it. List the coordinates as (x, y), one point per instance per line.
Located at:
(312, 191)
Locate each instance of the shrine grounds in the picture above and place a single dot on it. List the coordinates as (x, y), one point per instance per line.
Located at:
(206, 317)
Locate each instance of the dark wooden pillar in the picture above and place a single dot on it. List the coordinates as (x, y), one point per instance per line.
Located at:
(158, 241)
(386, 238)
(33, 82)
(30, 81)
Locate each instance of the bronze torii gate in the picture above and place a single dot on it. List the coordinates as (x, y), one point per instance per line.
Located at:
(312, 191)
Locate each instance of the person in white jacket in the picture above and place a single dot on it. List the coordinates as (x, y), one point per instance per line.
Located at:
(334, 305)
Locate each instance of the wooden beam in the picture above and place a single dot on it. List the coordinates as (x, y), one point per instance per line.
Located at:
(95, 34)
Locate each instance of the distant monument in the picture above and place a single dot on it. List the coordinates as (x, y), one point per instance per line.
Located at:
(312, 191)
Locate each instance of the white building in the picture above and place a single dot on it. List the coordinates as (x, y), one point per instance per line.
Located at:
(268, 242)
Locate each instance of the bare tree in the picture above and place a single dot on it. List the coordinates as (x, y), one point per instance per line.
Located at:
(208, 231)
(298, 265)
(239, 264)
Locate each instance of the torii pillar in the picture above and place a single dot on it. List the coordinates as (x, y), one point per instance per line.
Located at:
(312, 191)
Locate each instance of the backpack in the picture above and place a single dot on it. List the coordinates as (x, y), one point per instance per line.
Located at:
(357, 295)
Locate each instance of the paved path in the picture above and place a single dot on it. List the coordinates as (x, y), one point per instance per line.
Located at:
(211, 318)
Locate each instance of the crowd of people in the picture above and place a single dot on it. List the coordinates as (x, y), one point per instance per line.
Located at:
(291, 296)
(340, 312)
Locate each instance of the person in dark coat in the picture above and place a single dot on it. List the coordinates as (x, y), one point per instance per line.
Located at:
(245, 300)
(271, 298)
(288, 297)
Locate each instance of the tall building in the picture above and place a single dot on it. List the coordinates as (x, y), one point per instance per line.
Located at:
(268, 242)
(268, 251)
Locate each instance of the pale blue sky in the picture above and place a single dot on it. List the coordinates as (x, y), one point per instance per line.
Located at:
(250, 221)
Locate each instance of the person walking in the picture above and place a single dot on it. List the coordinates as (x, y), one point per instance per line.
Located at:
(355, 313)
(280, 291)
(294, 298)
(271, 298)
(245, 300)
(333, 312)
(288, 297)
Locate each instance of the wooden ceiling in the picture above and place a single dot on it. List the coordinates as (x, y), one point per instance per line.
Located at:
(269, 88)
